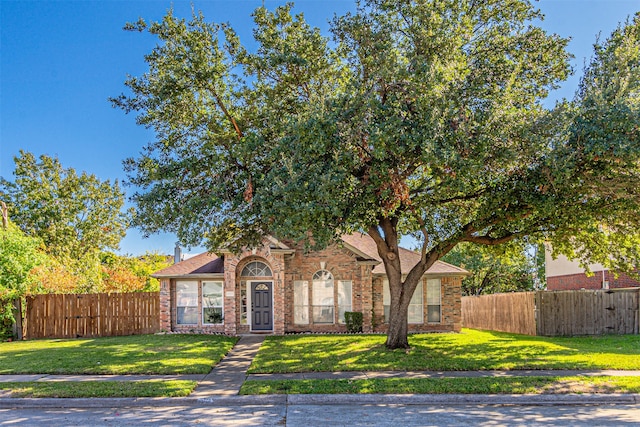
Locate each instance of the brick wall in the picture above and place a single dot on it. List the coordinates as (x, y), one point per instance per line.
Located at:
(582, 281)
(343, 265)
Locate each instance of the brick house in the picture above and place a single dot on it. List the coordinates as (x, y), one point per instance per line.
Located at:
(563, 274)
(279, 288)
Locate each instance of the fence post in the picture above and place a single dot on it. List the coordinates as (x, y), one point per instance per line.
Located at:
(17, 316)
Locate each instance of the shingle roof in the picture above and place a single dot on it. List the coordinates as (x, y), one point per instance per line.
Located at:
(205, 263)
(360, 244)
(408, 259)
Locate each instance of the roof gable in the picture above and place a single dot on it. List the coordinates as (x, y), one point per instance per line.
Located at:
(205, 263)
(408, 259)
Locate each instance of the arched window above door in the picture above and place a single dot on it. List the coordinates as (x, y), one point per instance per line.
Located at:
(256, 269)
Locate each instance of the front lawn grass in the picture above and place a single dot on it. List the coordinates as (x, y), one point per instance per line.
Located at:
(480, 385)
(177, 388)
(137, 354)
(468, 350)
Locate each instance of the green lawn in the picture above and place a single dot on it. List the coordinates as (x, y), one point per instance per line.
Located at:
(468, 350)
(138, 354)
(482, 385)
(101, 389)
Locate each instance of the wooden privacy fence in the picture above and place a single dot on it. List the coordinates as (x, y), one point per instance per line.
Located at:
(588, 312)
(501, 312)
(554, 313)
(92, 315)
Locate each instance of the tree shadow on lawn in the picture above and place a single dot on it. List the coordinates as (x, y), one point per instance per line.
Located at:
(152, 354)
(469, 350)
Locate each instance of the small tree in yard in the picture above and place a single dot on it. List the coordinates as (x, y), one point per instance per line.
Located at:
(420, 118)
(19, 254)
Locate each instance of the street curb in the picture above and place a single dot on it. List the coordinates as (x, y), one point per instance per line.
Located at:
(330, 399)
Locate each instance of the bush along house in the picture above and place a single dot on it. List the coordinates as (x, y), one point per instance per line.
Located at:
(279, 288)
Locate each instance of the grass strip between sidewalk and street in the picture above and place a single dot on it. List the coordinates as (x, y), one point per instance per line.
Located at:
(469, 350)
(164, 354)
(85, 389)
(480, 385)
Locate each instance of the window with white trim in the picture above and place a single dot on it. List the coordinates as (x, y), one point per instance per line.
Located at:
(256, 269)
(415, 311)
(344, 298)
(212, 308)
(322, 297)
(187, 303)
(434, 301)
(301, 302)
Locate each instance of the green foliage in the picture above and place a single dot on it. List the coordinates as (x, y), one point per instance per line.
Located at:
(496, 269)
(75, 216)
(129, 273)
(421, 118)
(19, 255)
(353, 320)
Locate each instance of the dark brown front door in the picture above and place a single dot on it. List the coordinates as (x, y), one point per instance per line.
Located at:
(261, 306)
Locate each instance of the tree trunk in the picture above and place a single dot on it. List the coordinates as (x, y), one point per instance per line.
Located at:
(398, 326)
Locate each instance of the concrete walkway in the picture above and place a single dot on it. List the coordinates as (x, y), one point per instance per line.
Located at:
(226, 378)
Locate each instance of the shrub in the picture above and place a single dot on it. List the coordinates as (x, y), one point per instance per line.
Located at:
(353, 319)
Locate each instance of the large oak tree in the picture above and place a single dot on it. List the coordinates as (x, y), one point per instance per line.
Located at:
(417, 117)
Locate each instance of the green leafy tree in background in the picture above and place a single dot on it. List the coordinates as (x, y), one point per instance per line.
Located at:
(420, 117)
(75, 215)
(498, 269)
(19, 255)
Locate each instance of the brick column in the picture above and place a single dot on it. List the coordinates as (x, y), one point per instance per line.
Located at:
(165, 305)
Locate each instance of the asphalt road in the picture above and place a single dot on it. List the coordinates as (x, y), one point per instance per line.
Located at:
(308, 415)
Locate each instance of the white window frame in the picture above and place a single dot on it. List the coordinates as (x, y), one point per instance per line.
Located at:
(186, 301)
(416, 302)
(345, 302)
(301, 302)
(205, 304)
(326, 309)
(434, 299)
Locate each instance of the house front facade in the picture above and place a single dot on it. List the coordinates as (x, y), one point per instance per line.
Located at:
(280, 288)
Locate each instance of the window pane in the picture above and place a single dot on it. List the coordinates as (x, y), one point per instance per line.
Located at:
(212, 312)
(187, 315)
(415, 312)
(243, 303)
(416, 298)
(323, 292)
(434, 301)
(322, 298)
(256, 269)
(186, 294)
(323, 314)
(301, 302)
(344, 298)
(212, 315)
(433, 292)
(212, 294)
(433, 313)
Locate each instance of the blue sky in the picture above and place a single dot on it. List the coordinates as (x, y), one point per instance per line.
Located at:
(61, 60)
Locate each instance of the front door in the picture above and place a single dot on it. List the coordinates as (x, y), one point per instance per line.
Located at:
(261, 306)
